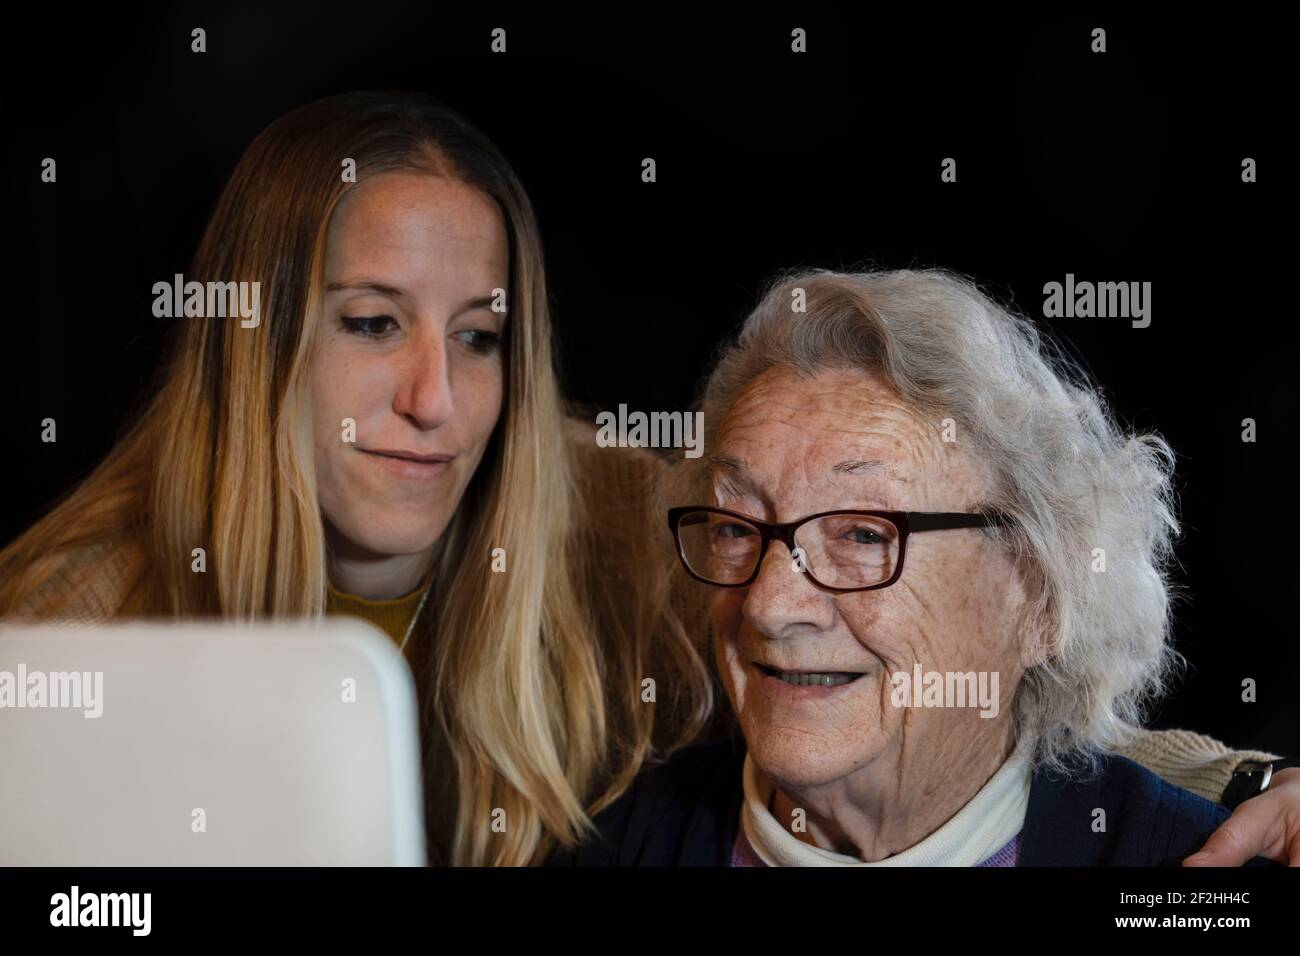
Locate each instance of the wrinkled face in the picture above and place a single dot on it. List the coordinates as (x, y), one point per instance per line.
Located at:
(792, 446)
(409, 350)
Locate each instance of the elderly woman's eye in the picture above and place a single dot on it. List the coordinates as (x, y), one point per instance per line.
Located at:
(864, 536)
(732, 531)
(732, 541)
(368, 326)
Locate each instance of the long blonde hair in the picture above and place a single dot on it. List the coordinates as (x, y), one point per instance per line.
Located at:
(529, 692)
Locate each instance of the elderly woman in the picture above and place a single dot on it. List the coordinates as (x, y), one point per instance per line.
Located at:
(940, 599)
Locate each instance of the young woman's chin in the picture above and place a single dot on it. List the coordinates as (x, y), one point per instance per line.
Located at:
(387, 535)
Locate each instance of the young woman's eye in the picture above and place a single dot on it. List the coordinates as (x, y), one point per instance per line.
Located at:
(369, 326)
(480, 340)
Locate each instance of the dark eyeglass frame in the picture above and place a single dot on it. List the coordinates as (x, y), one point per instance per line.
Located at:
(907, 523)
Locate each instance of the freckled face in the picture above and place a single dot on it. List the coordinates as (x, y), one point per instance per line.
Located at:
(410, 351)
(950, 610)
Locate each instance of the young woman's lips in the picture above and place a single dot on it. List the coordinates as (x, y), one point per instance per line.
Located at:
(409, 465)
(805, 683)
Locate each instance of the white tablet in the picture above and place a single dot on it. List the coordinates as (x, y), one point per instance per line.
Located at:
(207, 744)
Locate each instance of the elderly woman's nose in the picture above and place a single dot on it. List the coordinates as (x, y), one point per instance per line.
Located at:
(782, 600)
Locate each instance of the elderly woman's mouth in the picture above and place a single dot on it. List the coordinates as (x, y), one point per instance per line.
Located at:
(807, 678)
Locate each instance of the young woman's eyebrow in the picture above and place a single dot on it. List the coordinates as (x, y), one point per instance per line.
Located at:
(469, 305)
(366, 284)
(393, 292)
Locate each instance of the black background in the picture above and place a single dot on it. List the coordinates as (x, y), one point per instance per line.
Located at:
(1123, 166)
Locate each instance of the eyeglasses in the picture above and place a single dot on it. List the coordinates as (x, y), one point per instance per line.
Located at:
(840, 551)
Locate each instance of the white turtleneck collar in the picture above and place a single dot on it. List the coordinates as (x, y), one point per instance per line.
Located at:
(989, 821)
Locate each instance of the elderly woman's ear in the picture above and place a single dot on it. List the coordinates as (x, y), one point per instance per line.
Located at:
(1036, 622)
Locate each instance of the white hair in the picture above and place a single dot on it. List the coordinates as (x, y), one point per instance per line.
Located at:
(1069, 475)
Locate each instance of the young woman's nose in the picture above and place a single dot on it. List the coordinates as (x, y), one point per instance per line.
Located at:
(424, 392)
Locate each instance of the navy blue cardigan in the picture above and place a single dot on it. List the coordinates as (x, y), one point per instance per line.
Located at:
(686, 812)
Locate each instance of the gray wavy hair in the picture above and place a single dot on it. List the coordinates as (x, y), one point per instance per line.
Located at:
(1071, 477)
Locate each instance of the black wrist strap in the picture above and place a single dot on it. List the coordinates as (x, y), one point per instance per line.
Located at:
(1252, 778)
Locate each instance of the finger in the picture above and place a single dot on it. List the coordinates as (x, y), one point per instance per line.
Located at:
(1253, 830)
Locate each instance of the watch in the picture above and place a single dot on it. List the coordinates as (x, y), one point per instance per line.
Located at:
(1252, 778)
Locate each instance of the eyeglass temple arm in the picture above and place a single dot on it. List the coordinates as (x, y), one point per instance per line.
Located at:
(943, 520)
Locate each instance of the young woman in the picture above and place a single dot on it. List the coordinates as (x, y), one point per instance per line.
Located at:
(388, 430)
(388, 439)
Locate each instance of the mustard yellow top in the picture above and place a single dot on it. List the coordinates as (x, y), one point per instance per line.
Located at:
(392, 617)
